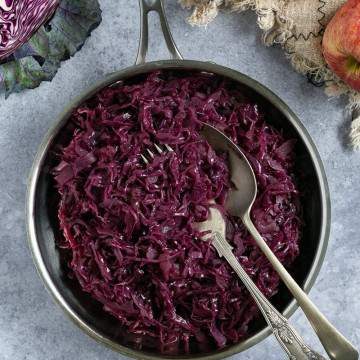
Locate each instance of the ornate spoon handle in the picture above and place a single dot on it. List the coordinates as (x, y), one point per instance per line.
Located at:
(286, 335)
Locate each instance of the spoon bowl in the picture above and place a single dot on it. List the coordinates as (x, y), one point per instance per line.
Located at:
(244, 187)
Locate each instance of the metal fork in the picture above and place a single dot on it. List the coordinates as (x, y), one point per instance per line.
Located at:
(286, 335)
(152, 155)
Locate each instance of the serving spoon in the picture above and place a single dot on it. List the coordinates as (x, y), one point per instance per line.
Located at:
(239, 203)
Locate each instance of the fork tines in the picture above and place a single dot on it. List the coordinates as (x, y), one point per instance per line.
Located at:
(152, 155)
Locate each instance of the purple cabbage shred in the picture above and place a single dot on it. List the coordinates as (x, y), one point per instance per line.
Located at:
(128, 226)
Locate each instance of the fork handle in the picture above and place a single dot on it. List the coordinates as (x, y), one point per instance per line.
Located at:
(286, 335)
(335, 344)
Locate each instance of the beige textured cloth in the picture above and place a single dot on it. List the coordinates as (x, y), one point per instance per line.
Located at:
(298, 26)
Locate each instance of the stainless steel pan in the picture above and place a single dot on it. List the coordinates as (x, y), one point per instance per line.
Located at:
(41, 222)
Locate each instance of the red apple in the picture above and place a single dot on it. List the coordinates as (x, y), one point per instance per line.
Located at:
(341, 43)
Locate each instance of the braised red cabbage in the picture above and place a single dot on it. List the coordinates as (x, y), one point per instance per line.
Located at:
(128, 226)
(19, 19)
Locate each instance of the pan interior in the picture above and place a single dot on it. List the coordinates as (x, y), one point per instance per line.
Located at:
(89, 312)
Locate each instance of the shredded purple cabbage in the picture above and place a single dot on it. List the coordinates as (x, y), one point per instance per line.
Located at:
(128, 226)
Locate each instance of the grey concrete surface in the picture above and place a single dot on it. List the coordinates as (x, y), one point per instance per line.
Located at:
(32, 327)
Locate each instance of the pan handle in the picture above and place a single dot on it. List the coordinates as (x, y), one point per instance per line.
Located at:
(145, 7)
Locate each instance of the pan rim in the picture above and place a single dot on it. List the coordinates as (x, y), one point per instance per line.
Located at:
(177, 65)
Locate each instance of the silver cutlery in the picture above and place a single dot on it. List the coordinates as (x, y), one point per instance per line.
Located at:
(288, 338)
